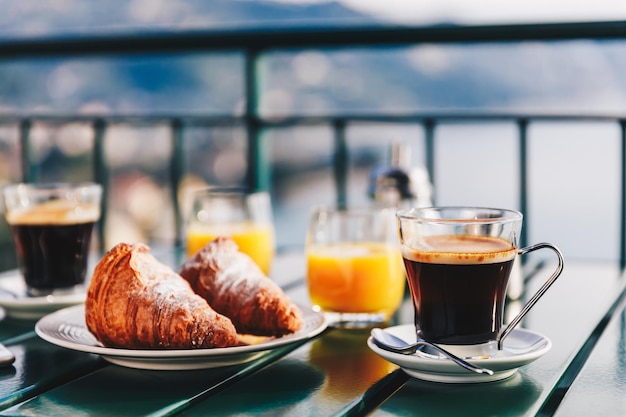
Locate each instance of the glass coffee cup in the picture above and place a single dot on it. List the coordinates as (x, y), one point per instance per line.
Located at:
(51, 225)
(458, 262)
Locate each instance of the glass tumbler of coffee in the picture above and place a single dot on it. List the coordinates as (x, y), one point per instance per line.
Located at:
(354, 267)
(52, 224)
(458, 261)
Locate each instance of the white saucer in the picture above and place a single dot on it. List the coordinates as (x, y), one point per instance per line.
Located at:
(67, 328)
(21, 306)
(521, 347)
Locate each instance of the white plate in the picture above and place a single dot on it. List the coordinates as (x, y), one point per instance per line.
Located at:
(67, 328)
(521, 347)
(21, 306)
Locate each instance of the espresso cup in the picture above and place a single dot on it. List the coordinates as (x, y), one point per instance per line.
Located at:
(52, 226)
(458, 262)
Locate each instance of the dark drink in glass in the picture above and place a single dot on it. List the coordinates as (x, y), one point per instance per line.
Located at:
(52, 225)
(53, 256)
(458, 287)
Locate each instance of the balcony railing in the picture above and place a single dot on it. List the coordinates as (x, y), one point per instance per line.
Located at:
(254, 44)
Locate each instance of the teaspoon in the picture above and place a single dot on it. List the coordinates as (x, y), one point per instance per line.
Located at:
(392, 343)
(6, 357)
(9, 293)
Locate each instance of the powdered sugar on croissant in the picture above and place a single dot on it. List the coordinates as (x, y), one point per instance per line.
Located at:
(236, 287)
(136, 302)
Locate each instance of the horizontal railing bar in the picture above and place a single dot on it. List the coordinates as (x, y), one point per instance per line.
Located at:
(301, 37)
(151, 119)
(274, 121)
(442, 117)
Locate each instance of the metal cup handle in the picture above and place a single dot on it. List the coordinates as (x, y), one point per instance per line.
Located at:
(538, 294)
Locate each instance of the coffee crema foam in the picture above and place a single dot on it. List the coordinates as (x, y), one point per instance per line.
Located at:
(462, 250)
(54, 212)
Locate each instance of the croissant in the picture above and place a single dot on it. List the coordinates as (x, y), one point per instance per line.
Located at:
(135, 302)
(236, 287)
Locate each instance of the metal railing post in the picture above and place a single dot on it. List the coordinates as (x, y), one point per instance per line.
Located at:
(429, 143)
(256, 171)
(177, 164)
(29, 170)
(522, 126)
(341, 161)
(101, 176)
(622, 220)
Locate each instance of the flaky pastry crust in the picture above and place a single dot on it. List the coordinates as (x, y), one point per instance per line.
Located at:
(136, 302)
(236, 287)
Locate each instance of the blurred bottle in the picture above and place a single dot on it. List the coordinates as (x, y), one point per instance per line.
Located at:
(397, 183)
(400, 185)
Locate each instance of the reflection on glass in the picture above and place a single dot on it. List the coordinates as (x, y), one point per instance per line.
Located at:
(350, 366)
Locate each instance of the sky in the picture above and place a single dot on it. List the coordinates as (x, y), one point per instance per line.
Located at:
(52, 17)
(485, 11)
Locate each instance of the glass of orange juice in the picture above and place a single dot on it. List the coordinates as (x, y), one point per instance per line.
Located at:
(232, 211)
(355, 273)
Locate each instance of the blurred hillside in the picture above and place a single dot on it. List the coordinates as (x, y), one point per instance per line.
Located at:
(565, 76)
(562, 76)
(59, 18)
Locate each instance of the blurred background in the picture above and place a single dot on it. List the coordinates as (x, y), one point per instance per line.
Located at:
(575, 177)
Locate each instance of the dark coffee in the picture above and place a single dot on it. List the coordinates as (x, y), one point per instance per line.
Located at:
(53, 246)
(458, 287)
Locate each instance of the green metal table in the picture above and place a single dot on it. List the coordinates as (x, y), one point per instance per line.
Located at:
(336, 373)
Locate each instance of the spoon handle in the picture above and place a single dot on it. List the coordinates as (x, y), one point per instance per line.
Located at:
(393, 343)
(457, 360)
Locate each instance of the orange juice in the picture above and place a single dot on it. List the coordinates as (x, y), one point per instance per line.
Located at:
(362, 277)
(255, 240)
